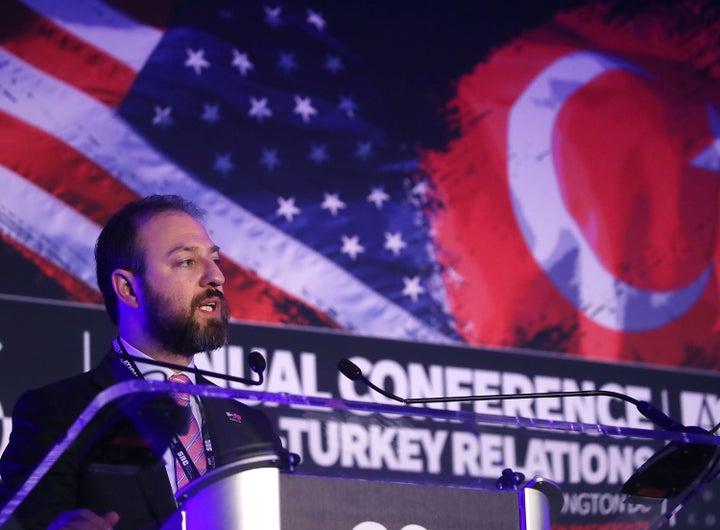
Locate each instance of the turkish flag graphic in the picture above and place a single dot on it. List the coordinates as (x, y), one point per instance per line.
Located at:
(577, 210)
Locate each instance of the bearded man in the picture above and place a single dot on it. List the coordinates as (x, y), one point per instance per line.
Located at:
(158, 271)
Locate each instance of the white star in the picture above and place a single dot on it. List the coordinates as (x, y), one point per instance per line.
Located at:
(333, 63)
(363, 150)
(420, 189)
(287, 62)
(211, 113)
(347, 105)
(259, 109)
(303, 106)
(413, 288)
(710, 157)
(270, 159)
(163, 116)
(241, 61)
(316, 19)
(272, 16)
(318, 154)
(333, 203)
(196, 60)
(287, 208)
(378, 197)
(223, 164)
(394, 242)
(351, 246)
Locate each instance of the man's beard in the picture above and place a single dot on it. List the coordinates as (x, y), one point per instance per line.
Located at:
(182, 333)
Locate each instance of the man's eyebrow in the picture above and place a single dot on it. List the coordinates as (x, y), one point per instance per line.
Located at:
(192, 248)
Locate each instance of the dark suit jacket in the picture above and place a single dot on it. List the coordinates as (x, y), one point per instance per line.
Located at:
(116, 463)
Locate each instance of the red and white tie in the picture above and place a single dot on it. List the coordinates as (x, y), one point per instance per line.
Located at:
(192, 440)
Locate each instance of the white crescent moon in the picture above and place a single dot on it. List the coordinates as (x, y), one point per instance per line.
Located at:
(554, 238)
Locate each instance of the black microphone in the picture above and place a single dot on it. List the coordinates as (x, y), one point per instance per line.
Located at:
(665, 474)
(350, 370)
(255, 360)
(257, 364)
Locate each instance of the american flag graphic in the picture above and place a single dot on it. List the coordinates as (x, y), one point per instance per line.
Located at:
(253, 111)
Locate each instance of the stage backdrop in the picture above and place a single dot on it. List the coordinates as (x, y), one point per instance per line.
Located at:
(542, 176)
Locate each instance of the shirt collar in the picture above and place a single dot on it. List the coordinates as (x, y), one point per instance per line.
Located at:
(152, 372)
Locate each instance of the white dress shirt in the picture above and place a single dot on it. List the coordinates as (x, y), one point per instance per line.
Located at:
(153, 372)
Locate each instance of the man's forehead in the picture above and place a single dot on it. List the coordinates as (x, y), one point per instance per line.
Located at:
(171, 232)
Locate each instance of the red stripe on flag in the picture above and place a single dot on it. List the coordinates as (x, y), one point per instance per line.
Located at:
(252, 298)
(63, 55)
(76, 290)
(91, 190)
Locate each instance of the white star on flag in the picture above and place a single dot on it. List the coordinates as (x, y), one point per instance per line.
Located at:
(413, 288)
(333, 63)
(378, 197)
(270, 159)
(287, 208)
(196, 60)
(259, 109)
(272, 16)
(420, 189)
(316, 19)
(163, 116)
(351, 246)
(363, 150)
(211, 113)
(303, 106)
(333, 203)
(223, 164)
(347, 106)
(318, 153)
(242, 62)
(286, 62)
(394, 242)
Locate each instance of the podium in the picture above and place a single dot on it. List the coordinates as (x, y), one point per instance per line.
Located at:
(253, 492)
(243, 497)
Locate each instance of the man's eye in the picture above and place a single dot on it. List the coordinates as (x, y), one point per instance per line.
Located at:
(186, 263)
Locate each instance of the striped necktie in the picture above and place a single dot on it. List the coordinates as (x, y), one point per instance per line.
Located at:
(192, 439)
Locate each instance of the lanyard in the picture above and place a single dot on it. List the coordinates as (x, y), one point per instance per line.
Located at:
(176, 446)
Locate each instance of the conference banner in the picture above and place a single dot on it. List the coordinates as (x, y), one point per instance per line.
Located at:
(43, 340)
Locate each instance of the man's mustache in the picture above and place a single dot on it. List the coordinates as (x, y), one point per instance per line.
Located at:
(198, 300)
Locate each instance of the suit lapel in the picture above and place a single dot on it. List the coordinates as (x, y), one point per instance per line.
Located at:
(152, 481)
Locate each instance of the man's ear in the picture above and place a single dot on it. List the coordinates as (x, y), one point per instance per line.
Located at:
(123, 282)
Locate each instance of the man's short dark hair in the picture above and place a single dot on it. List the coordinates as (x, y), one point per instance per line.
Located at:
(117, 248)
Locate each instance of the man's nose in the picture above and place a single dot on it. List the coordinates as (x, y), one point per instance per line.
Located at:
(213, 274)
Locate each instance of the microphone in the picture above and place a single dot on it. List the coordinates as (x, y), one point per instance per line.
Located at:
(257, 364)
(255, 360)
(658, 418)
(668, 472)
(352, 371)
